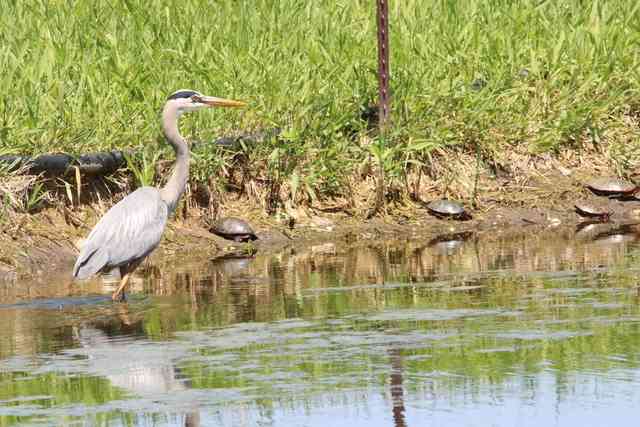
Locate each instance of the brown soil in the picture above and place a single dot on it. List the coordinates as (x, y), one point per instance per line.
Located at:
(537, 191)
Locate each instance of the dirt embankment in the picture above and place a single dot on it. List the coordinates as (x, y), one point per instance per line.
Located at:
(538, 191)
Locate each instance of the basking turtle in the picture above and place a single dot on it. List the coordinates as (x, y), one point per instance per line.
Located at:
(447, 208)
(611, 187)
(478, 84)
(591, 209)
(234, 229)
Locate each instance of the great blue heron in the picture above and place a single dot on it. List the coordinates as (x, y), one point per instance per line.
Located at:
(133, 227)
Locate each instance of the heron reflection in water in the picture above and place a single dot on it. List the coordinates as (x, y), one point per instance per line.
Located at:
(143, 368)
(133, 227)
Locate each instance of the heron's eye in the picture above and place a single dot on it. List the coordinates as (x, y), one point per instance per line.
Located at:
(195, 98)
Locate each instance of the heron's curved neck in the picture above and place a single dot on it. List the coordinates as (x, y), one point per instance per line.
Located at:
(177, 182)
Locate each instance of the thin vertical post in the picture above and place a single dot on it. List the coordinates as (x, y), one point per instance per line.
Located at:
(383, 63)
(383, 98)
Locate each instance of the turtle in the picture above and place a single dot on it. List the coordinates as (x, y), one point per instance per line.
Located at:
(611, 187)
(478, 84)
(447, 208)
(590, 209)
(236, 229)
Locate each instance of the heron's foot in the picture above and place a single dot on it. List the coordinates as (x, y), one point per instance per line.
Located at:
(119, 297)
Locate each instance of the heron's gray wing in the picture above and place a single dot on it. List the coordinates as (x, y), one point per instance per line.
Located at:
(130, 230)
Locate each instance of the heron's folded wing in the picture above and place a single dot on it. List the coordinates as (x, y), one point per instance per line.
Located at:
(130, 230)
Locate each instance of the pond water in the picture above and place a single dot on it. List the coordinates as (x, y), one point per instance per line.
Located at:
(529, 329)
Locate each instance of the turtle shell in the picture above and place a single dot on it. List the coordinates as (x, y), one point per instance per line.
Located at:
(234, 229)
(607, 186)
(590, 209)
(446, 208)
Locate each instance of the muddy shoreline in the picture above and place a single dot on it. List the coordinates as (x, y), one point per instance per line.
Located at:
(45, 243)
(519, 193)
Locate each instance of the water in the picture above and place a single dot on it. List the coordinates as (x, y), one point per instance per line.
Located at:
(539, 328)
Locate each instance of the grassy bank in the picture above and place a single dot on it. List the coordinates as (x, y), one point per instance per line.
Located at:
(486, 78)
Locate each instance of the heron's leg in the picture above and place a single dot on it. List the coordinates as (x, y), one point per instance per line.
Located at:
(118, 295)
(125, 272)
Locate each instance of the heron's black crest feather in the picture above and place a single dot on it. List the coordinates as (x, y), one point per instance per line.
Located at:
(182, 94)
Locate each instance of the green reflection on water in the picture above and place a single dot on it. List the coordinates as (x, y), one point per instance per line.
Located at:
(53, 390)
(282, 334)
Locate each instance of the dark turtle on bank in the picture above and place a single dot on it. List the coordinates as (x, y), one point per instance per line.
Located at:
(478, 84)
(447, 208)
(591, 209)
(234, 229)
(611, 187)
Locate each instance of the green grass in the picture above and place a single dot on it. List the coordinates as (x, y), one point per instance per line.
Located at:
(82, 76)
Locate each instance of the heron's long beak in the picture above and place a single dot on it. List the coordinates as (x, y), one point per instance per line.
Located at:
(212, 101)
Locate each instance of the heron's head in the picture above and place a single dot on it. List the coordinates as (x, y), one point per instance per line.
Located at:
(186, 100)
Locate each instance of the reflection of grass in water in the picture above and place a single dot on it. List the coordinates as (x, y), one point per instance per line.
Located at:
(347, 285)
(509, 326)
(55, 390)
(541, 324)
(538, 324)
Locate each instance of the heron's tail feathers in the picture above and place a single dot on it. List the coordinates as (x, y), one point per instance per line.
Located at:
(90, 261)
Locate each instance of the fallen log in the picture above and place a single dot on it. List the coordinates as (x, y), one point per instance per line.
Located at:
(60, 163)
(104, 163)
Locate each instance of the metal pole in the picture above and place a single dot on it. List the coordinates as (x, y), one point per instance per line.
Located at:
(383, 63)
(383, 96)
